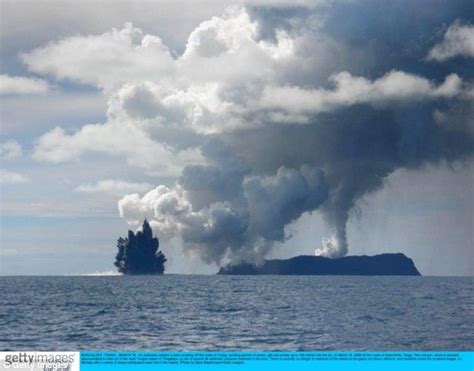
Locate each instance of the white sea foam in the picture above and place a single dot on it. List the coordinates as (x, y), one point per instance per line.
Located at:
(106, 273)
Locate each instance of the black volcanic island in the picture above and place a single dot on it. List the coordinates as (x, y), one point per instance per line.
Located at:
(377, 265)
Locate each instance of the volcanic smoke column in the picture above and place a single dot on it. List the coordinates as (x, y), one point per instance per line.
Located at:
(139, 254)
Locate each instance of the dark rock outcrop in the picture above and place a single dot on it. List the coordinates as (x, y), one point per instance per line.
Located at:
(377, 265)
(139, 254)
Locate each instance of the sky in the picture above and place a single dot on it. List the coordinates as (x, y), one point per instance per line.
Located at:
(242, 130)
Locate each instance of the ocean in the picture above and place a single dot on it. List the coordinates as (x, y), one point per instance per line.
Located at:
(197, 312)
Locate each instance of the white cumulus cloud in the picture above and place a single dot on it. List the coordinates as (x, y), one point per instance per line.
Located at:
(105, 60)
(123, 139)
(226, 79)
(458, 41)
(17, 85)
(395, 86)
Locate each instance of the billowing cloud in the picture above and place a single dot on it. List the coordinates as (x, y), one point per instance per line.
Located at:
(11, 177)
(10, 149)
(56, 146)
(395, 86)
(104, 60)
(113, 186)
(212, 108)
(458, 41)
(223, 212)
(226, 79)
(17, 85)
(289, 128)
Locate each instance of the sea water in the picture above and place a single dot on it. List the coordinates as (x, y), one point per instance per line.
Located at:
(192, 312)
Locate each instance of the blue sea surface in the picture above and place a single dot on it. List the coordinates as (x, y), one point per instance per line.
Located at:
(192, 312)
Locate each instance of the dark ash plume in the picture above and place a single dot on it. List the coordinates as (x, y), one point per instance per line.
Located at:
(358, 148)
(222, 211)
(139, 254)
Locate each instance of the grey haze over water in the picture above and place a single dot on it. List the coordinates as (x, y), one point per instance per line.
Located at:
(189, 312)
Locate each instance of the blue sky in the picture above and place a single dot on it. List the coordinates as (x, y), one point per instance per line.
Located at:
(241, 130)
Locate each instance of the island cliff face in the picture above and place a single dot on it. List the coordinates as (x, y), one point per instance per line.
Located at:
(377, 265)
